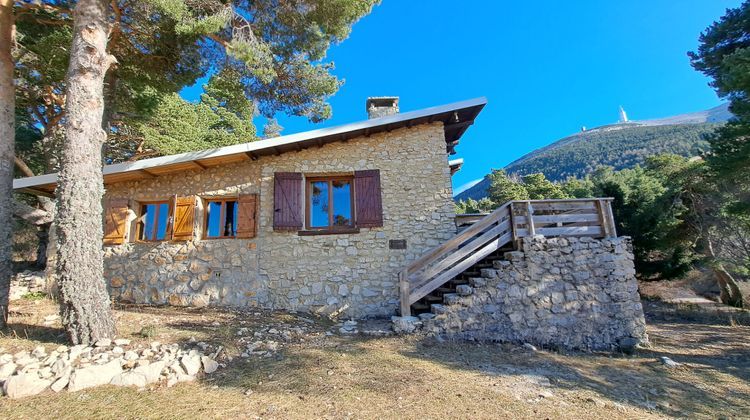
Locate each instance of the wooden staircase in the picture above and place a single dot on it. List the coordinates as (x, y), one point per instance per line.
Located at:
(451, 270)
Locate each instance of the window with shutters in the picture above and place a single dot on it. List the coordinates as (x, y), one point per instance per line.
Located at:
(221, 218)
(330, 203)
(155, 221)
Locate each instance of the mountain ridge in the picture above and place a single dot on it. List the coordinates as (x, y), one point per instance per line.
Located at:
(620, 145)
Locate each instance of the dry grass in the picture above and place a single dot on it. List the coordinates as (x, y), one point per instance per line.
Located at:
(411, 377)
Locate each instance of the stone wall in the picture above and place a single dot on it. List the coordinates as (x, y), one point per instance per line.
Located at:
(578, 293)
(26, 282)
(351, 274)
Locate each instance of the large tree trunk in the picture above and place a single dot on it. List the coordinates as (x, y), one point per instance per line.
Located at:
(729, 291)
(85, 305)
(7, 154)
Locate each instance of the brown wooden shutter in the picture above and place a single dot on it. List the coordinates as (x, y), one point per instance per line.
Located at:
(184, 217)
(247, 221)
(287, 201)
(115, 219)
(368, 202)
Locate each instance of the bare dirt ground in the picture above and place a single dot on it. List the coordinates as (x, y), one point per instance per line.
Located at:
(313, 374)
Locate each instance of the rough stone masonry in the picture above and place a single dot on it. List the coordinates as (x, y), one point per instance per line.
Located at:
(355, 274)
(575, 293)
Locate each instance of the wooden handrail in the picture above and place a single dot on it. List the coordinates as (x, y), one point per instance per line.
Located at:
(563, 217)
(435, 253)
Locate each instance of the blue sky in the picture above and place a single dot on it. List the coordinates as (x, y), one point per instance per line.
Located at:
(546, 67)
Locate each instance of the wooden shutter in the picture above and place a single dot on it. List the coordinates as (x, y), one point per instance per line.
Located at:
(246, 219)
(184, 217)
(115, 219)
(287, 201)
(368, 202)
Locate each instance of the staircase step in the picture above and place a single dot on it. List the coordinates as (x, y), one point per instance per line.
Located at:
(451, 299)
(488, 273)
(420, 307)
(438, 309)
(444, 290)
(501, 264)
(464, 290)
(477, 282)
(433, 298)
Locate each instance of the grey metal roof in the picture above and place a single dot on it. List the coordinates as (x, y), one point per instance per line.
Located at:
(456, 117)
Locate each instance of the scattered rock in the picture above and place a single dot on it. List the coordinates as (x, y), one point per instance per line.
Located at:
(6, 370)
(209, 365)
(122, 342)
(530, 347)
(406, 324)
(191, 364)
(25, 385)
(152, 371)
(94, 375)
(104, 342)
(130, 378)
(666, 361)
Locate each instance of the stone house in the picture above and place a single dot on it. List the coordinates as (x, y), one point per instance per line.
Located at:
(319, 221)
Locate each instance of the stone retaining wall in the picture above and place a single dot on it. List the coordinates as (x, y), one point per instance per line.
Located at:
(352, 274)
(577, 293)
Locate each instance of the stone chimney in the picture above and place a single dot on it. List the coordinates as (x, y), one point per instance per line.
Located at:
(381, 106)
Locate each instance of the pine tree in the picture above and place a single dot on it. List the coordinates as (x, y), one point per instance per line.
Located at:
(7, 154)
(86, 313)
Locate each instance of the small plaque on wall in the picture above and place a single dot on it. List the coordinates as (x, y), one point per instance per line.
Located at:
(397, 244)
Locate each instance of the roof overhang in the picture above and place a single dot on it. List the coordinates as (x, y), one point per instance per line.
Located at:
(456, 118)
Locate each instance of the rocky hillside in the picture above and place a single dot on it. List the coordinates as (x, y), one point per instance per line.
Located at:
(618, 145)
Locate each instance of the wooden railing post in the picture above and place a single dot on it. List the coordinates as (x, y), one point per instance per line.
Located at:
(530, 218)
(611, 227)
(405, 290)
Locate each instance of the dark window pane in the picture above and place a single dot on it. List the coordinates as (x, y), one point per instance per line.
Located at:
(149, 215)
(342, 203)
(161, 224)
(214, 219)
(230, 225)
(319, 204)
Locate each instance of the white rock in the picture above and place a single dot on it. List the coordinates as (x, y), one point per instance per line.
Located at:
(129, 379)
(75, 351)
(131, 355)
(39, 352)
(191, 364)
(666, 361)
(122, 342)
(5, 358)
(151, 372)
(59, 366)
(103, 342)
(118, 351)
(62, 382)
(7, 370)
(209, 364)
(25, 385)
(94, 375)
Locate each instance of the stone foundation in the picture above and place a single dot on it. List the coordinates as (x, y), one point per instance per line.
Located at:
(575, 293)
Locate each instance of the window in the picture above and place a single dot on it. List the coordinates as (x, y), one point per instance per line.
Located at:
(330, 203)
(221, 218)
(155, 221)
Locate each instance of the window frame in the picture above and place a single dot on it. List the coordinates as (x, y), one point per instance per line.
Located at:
(141, 223)
(352, 226)
(222, 215)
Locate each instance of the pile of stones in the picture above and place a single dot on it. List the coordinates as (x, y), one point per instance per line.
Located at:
(113, 362)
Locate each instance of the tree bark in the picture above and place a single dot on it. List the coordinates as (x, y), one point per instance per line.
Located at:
(85, 306)
(729, 291)
(7, 154)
